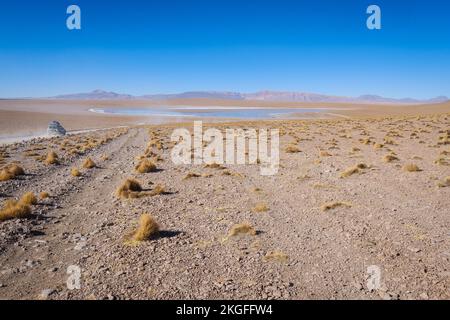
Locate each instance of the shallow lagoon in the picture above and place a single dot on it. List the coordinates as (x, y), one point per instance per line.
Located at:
(245, 113)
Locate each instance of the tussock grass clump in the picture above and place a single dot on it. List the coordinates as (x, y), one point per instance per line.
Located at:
(378, 146)
(276, 256)
(148, 228)
(5, 175)
(227, 173)
(207, 175)
(353, 170)
(260, 207)
(242, 229)
(16, 170)
(191, 175)
(14, 210)
(445, 139)
(325, 154)
(130, 189)
(362, 166)
(323, 186)
(158, 190)
(334, 205)
(442, 162)
(445, 183)
(28, 199)
(89, 164)
(31, 154)
(215, 166)
(232, 174)
(411, 167)
(145, 166)
(52, 158)
(44, 195)
(389, 158)
(10, 172)
(292, 149)
(388, 140)
(75, 172)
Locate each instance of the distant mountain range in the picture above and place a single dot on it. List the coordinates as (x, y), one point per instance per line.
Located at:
(278, 96)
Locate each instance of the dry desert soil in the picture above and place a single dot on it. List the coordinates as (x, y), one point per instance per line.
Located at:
(347, 197)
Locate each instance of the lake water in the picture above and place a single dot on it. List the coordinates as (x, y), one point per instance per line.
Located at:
(246, 113)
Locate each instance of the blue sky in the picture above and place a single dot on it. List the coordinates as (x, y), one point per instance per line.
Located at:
(142, 47)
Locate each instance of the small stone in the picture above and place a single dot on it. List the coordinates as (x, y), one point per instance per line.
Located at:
(30, 263)
(46, 293)
(276, 294)
(80, 246)
(358, 286)
(424, 296)
(384, 295)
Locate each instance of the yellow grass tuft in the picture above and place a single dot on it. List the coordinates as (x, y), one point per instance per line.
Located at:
(158, 190)
(350, 171)
(145, 166)
(445, 183)
(52, 158)
(242, 228)
(232, 174)
(75, 172)
(378, 146)
(5, 175)
(260, 207)
(191, 175)
(389, 158)
(131, 188)
(388, 140)
(334, 205)
(14, 210)
(10, 172)
(324, 154)
(28, 199)
(148, 228)
(442, 161)
(16, 170)
(214, 166)
(362, 166)
(292, 149)
(411, 167)
(276, 256)
(44, 195)
(89, 164)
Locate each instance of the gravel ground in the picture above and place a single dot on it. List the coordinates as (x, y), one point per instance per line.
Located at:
(396, 220)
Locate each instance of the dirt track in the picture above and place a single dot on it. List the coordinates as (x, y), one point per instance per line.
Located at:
(398, 221)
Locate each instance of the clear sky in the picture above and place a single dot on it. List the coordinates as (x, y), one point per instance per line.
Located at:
(166, 46)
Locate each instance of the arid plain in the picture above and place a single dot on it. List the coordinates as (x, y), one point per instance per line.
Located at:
(367, 186)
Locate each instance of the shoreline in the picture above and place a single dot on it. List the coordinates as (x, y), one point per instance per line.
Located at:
(4, 141)
(22, 120)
